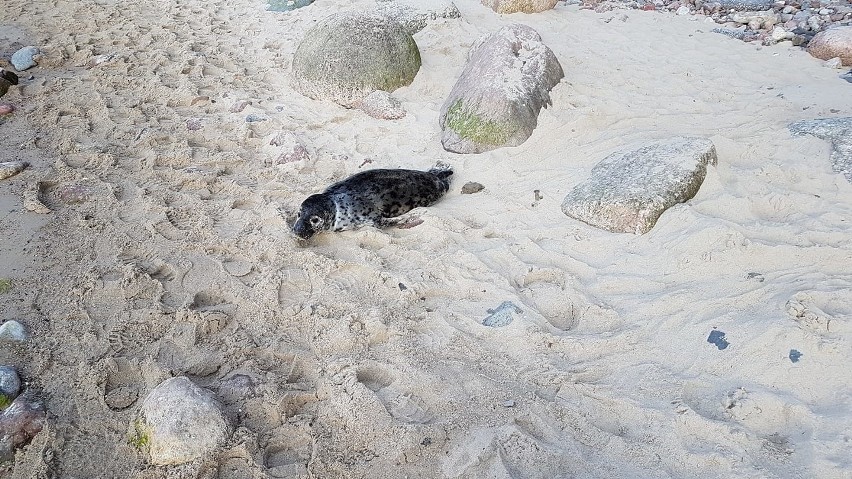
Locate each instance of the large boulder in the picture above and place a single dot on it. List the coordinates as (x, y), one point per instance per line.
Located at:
(497, 98)
(414, 15)
(179, 422)
(832, 43)
(519, 6)
(347, 56)
(837, 131)
(628, 191)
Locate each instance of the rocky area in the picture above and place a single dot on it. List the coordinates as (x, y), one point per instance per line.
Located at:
(763, 21)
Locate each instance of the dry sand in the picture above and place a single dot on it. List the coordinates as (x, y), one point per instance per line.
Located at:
(167, 252)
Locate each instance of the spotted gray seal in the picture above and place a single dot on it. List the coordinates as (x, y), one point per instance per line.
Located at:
(371, 197)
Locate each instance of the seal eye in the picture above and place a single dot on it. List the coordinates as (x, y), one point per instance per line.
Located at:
(316, 221)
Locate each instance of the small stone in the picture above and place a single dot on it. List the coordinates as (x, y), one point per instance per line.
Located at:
(799, 40)
(10, 385)
(649, 7)
(13, 331)
(509, 403)
(779, 34)
(74, 193)
(502, 315)
(472, 187)
(835, 62)
(788, 9)
(24, 58)
(683, 10)
(9, 169)
(825, 11)
(381, 105)
(252, 118)
(239, 106)
(814, 23)
(6, 108)
(179, 422)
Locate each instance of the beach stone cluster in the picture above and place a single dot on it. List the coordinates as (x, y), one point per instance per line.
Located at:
(628, 191)
(764, 21)
(505, 84)
(179, 422)
(347, 56)
(21, 415)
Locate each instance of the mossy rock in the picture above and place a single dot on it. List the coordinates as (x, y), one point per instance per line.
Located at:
(347, 56)
(496, 100)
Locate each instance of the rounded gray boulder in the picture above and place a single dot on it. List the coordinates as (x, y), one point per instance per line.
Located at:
(179, 422)
(347, 56)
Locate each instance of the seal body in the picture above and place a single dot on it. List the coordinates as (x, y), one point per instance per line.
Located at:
(371, 197)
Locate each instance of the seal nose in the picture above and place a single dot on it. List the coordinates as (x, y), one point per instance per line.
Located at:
(302, 230)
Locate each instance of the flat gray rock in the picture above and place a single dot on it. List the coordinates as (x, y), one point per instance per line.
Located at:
(628, 191)
(24, 58)
(180, 422)
(349, 55)
(504, 85)
(837, 131)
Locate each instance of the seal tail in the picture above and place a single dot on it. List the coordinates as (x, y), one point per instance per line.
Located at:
(441, 170)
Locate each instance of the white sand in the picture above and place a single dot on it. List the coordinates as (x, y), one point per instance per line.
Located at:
(161, 271)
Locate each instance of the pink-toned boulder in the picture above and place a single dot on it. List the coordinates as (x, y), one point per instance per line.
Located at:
(519, 6)
(832, 43)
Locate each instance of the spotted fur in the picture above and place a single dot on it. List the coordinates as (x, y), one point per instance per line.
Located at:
(371, 198)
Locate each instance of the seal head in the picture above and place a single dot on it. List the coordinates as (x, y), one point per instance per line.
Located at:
(316, 214)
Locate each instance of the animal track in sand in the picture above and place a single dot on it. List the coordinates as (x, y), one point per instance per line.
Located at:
(123, 382)
(399, 403)
(824, 313)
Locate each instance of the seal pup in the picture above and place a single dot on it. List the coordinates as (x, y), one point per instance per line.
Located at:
(371, 197)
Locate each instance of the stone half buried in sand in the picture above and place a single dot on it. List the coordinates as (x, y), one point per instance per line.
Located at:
(414, 15)
(519, 6)
(179, 422)
(497, 98)
(349, 55)
(838, 131)
(833, 43)
(627, 192)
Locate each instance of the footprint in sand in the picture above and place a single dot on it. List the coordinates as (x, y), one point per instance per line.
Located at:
(824, 313)
(401, 404)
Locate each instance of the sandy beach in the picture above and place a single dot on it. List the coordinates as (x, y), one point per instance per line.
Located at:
(165, 249)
